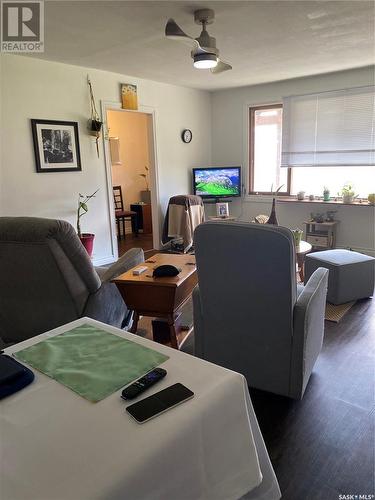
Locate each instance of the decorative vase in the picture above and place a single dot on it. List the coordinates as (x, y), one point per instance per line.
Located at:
(301, 195)
(272, 218)
(87, 240)
(146, 196)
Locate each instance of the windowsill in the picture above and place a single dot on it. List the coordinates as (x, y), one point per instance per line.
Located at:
(262, 198)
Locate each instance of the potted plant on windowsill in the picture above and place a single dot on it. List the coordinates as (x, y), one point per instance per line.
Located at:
(347, 193)
(87, 239)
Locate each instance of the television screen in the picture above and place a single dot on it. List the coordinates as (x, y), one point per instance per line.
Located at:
(217, 182)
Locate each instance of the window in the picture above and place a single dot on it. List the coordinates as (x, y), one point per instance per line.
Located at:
(312, 180)
(265, 159)
(329, 129)
(265, 151)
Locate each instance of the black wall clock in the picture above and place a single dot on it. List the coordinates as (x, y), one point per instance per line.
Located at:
(187, 135)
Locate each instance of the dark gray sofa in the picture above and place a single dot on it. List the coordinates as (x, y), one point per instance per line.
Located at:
(47, 279)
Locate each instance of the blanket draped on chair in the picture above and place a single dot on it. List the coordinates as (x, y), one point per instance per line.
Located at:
(184, 214)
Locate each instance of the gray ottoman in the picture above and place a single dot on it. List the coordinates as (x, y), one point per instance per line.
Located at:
(351, 274)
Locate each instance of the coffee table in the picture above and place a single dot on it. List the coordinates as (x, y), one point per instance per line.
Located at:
(303, 248)
(160, 297)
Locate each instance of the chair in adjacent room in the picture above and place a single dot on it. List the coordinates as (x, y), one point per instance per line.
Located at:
(123, 215)
(47, 279)
(249, 315)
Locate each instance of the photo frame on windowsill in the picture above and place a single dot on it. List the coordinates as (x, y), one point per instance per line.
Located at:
(56, 146)
(222, 210)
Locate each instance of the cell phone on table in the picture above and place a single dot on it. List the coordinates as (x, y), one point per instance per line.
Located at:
(158, 403)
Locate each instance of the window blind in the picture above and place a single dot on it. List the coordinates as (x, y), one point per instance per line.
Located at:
(329, 129)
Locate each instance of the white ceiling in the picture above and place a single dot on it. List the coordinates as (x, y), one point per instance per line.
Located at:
(264, 40)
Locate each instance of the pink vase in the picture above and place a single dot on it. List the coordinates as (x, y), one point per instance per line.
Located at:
(87, 240)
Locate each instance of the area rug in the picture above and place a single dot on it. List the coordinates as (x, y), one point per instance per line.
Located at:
(336, 313)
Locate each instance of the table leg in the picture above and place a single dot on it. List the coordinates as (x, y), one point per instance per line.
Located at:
(134, 326)
(300, 262)
(172, 331)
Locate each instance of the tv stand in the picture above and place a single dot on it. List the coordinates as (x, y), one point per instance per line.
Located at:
(216, 200)
(227, 218)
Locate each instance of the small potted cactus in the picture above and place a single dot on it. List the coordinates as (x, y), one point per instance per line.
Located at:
(326, 194)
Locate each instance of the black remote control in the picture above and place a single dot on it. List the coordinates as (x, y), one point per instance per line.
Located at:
(142, 384)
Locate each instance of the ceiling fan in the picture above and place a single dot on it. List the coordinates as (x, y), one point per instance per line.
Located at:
(204, 51)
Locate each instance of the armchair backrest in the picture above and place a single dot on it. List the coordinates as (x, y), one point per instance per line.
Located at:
(247, 283)
(46, 276)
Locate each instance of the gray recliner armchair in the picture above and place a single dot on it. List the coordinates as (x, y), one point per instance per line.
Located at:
(47, 279)
(248, 315)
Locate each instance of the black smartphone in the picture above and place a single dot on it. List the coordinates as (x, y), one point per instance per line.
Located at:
(159, 402)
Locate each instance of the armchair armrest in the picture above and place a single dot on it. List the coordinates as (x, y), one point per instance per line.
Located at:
(198, 323)
(130, 259)
(308, 331)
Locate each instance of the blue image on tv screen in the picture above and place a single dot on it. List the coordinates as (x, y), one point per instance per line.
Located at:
(217, 182)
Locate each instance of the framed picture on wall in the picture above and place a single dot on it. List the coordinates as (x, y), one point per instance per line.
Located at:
(129, 96)
(56, 146)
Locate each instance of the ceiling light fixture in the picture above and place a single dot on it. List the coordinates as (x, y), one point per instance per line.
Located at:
(204, 51)
(205, 61)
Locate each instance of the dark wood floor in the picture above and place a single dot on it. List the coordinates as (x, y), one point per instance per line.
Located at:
(323, 446)
(131, 241)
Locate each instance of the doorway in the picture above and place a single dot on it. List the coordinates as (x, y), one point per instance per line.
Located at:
(131, 165)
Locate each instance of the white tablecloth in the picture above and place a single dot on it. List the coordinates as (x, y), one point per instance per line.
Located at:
(57, 445)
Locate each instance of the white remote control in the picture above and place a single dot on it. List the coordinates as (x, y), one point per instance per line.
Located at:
(139, 270)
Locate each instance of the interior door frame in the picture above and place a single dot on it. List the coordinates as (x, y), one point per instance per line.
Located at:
(154, 172)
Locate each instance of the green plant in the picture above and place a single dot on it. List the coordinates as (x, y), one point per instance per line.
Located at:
(325, 190)
(274, 193)
(347, 191)
(145, 176)
(83, 208)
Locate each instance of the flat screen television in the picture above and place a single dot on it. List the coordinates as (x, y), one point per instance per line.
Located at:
(217, 182)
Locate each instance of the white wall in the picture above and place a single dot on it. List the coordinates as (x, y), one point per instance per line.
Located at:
(229, 147)
(32, 88)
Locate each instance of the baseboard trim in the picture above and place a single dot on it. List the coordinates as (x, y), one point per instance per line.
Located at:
(102, 261)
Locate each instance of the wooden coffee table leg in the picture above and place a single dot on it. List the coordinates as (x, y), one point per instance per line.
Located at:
(300, 262)
(134, 326)
(172, 331)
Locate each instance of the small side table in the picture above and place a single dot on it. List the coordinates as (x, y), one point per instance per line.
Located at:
(321, 235)
(160, 297)
(143, 211)
(303, 248)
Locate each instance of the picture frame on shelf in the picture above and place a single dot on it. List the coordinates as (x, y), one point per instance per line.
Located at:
(222, 210)
(56, 146)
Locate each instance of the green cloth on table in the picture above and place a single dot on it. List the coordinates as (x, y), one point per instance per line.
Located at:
(92, 362)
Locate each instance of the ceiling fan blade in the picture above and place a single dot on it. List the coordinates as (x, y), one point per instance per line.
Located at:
(221, 66)
(174, 32)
